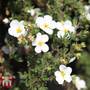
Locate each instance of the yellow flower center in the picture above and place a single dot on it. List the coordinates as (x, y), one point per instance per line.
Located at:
(62, 73)
(40, 43)
(65, 30)
(45, 25)
(62, 22)
(18, 30)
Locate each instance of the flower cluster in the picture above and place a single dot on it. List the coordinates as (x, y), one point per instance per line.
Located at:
(48, 25)
(65, 74)
(47, 29)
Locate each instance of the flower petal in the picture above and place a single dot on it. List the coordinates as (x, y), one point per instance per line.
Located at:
(62, 67)
(45, 38)
(67, 23)
(59, 26)
(60, 80)
(52, 25)
(68, 78)
(33, 43)
(38, 34)
(14, 23)
(49, 31)
(59, 77)
(68, 70)
(47, 18)
(80, 84)
(45, 48)
(38, 49)
(60, 34)
(57, 73)
(39, 21)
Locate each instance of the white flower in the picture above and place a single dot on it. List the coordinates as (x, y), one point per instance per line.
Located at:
(87, 12)
(64, 28)
(46, 24)
(33, 12)
(80, 84)
(16, 28)
(40, 43)
(63, 74)
(6, 20)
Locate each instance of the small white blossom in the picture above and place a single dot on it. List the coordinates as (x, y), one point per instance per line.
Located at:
(16, 28)
(80, 84)
(63, 74)
(72, 59)
(64, 28)
(6, 20)
(40, 43)
(33, 12)
(87, 12)
(46, 24)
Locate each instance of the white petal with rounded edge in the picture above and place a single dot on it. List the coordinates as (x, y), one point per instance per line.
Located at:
(22, 22)
(72, 29)
(52, 24)
(45, 38)
(68, 70)
(10, 31)
(38, 34)
(62, 67)
(39, 21)
(82, 84)
(60, 80)
(47, 18)
(33, 43)
(14, 23)
(49, 31)
(59, 77)
(38, 37)
(59, 26)
(67, 23)
(38, 49)
(68, 78)
(57, 73)
(45, 48)
(60, 34)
